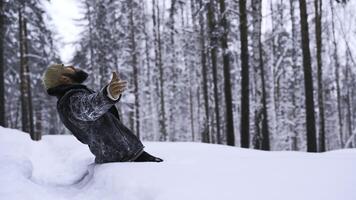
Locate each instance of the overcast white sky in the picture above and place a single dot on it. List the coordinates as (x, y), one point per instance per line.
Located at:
(63, 14)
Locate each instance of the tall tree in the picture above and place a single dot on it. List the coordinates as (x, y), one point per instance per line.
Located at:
(203, 56)
(337, 76)
(27, 47)
(213, 35)
(308, 79)
(26, 97)
(135, 70)
(261, 118)
(318, 37)
(27, 83)
(2, 85)
(296, 82)
(171, 49)
(230, 136)
(158, 57)
(349, 99)
(189, 51)
(149, 93)
(90, 47)
(245, 93)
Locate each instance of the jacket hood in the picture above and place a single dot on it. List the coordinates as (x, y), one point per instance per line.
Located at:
(60, 90)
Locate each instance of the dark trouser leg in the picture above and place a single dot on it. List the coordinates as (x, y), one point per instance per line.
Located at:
(146, 157)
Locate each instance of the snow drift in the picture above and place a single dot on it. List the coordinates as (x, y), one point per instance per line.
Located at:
(59, 167)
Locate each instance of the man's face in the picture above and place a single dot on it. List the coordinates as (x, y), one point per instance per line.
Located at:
(73, 75)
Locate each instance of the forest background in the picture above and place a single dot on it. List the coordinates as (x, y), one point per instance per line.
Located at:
(263, 74)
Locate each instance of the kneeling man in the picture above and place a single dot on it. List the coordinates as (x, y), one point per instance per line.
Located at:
(92, 116)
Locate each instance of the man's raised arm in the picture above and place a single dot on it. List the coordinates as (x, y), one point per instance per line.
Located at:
(88, 106)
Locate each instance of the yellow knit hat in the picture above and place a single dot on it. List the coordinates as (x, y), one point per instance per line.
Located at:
(50, 77)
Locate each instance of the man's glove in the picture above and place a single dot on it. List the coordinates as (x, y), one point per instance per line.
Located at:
(115, 87)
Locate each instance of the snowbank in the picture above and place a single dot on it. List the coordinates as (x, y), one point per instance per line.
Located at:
(59, 167)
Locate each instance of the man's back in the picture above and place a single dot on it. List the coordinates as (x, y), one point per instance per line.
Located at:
(93, 119)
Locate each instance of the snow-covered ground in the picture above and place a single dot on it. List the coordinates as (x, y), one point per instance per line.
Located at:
(59, 167)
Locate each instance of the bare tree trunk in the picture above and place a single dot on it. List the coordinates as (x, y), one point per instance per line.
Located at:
(26, 99)
(28, 83)
(274, 85)
(154, 70)
(90, 43)
(149, 93)
(213, 51)
(230, 135)
(245, 104)
(256, 13)
(294, 138)
(350, 95)
(99, 31)
(351, 141)
(318, 37)
(348, 99)
(194, 62)
(261, 123)
(265, 129)
(337, 79)
(2, 83)
(206, 130)
(161, 81)
(159, 64)
(135, 71)
(308, 79)
(24, 113)
(191, 71)
(38, 132)
(173, 68)
(17, 115)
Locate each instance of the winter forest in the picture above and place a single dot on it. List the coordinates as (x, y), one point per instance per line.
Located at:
(261, 74)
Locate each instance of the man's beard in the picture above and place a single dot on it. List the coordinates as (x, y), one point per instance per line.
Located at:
(79, 76)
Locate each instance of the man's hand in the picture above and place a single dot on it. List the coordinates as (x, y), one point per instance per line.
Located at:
(116, 86)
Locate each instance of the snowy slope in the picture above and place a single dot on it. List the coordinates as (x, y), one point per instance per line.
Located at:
(57, 168)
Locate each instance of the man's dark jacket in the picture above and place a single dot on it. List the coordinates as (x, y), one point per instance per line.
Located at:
(94, 120)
